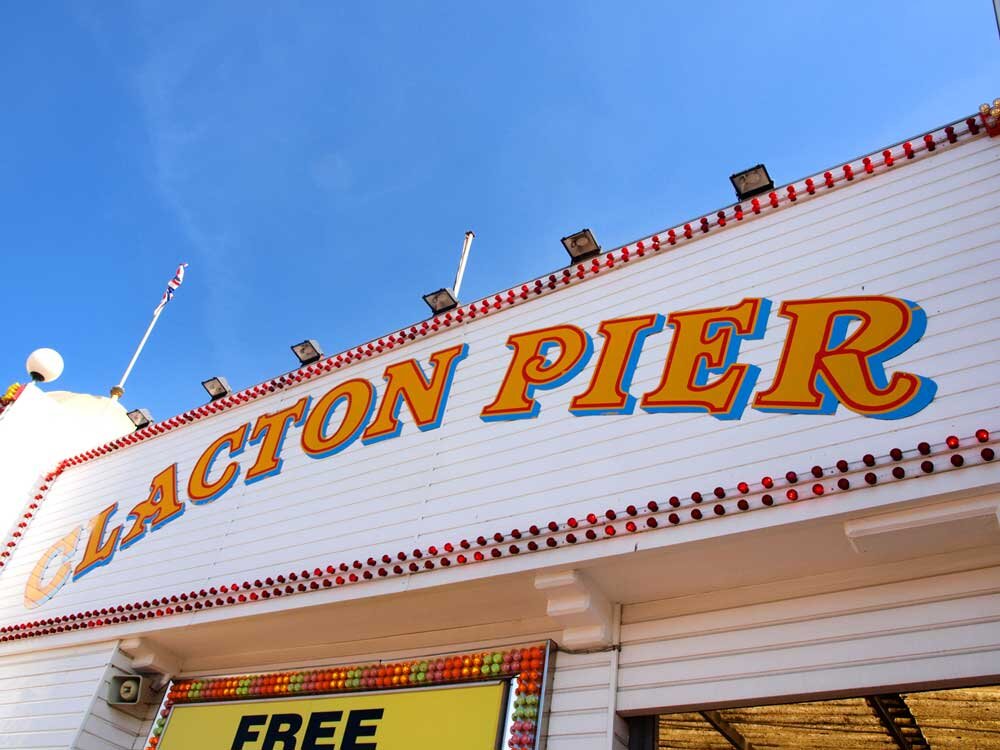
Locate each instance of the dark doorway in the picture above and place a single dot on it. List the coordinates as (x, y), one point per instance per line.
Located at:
(965, 718)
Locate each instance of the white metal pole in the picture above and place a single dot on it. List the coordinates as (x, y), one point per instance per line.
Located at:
(616, 644)
(469, 236)
(119, 390)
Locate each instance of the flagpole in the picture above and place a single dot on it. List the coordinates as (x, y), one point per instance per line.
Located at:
(119, 390)
(469, 236)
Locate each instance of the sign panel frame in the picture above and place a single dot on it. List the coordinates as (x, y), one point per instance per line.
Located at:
(525, 674)
(256, 735)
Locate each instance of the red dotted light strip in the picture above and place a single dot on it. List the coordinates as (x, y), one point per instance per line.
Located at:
(793, 486)
(37, 495)
(525, 665)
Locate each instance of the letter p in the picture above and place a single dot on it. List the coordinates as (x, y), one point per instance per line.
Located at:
(531, 368)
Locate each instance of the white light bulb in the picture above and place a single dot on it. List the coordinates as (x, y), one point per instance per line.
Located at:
(44, 365)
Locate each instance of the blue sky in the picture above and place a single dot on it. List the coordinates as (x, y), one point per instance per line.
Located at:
(318, 163)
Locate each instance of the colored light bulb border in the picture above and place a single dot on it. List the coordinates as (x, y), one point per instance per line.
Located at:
(10, 395)
(526, 666)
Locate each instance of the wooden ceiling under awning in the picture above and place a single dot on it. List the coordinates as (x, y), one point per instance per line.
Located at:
(966, 718)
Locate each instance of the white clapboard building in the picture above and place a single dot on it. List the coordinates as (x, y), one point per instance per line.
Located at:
(724, 484)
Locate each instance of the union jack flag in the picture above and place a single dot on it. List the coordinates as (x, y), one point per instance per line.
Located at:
(175, 282)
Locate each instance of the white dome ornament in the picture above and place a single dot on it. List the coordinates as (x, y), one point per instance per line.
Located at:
(44, 365)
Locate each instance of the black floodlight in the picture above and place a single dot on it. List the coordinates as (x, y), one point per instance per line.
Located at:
(751, 182)
(140, 418)
(581, 245)
(441, 301)
(217, 387)
(308, 351)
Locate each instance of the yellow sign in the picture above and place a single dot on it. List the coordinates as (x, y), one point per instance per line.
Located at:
(449, 718)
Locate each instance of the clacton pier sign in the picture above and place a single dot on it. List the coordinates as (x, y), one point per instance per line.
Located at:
(835, 353)
(643, 500)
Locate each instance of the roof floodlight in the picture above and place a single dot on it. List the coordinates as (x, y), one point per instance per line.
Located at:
(217, 387)
(140, 418)
(441, 301)
(308, 351)
(581, 245)
(751, 182)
